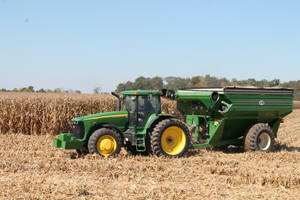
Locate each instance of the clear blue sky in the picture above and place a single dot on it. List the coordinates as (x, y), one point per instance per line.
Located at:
(86, 44)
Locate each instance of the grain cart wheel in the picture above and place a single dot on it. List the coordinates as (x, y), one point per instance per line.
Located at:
(170, 138)
(105, 142)
(260, 137)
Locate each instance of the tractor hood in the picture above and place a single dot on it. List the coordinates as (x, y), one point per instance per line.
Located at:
(104, 115)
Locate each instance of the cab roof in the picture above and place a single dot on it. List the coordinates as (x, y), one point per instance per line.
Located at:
(141, 92)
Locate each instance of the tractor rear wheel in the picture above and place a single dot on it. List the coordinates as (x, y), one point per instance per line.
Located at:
(170, 138)
(105, 142)
(260, 137)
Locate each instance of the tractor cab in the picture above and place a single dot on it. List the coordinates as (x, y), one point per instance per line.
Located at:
(140, 107)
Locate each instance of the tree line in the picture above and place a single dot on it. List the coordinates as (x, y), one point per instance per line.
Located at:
(172, 82)
(42, 90)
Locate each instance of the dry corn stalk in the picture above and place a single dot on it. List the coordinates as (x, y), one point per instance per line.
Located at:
(36, 113)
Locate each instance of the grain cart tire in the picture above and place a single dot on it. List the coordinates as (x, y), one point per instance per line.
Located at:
(105, 142)
(260, 137)
(170, 138)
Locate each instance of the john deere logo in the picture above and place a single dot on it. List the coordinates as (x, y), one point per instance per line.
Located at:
(261, 102)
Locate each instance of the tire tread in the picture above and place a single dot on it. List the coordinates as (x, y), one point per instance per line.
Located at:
(92, 143)
(251, 138)
(156, 147)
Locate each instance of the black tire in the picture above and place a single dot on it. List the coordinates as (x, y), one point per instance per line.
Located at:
(112, 140)
(160, 142)
(260, 137)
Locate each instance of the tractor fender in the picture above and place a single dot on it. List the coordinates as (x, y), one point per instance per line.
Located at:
(110, 126)
(155, 120)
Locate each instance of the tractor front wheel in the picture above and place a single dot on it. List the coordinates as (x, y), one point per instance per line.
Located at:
(260, 137)
(170, 138)
(105, 142)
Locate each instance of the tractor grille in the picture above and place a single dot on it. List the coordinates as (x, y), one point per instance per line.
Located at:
(78, 129)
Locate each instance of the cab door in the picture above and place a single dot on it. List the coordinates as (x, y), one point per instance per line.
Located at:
(147, 105)
(130, 104)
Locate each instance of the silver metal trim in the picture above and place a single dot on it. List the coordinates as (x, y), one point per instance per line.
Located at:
(259, 103)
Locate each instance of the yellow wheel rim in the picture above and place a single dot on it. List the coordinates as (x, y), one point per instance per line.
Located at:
(173, 140)
(106, 145)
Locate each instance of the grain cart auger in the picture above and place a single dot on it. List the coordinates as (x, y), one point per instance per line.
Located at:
(138, 125)
(225, 116)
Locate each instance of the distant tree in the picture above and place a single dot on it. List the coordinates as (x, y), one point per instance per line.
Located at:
(57, 90)
(211, 81)
(252, 82)
(41, 90)
(274, 82)
(262, 83)
(176, 82)
(126, 86)
(120, 87)
(141, 83)
(234, 82)
(77, 91)
(24, 90)
(30, 89)
(195, 81)
(156, 83)
(97, 90)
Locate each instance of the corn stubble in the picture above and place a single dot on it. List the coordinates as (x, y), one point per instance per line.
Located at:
(30, 168)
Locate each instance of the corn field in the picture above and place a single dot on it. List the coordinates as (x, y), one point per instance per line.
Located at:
(35, 113)
(31, 168)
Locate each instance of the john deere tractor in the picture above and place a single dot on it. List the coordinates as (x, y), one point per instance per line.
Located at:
(138, 125)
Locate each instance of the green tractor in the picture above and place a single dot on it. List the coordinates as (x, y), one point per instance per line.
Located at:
(138, 125)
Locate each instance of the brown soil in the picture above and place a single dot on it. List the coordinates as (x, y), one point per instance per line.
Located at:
(30, 168)
(296, 105)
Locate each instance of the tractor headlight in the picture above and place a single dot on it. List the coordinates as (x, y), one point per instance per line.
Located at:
(78, 129)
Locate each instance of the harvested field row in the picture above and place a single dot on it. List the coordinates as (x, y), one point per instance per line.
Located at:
(296, 105)
(30, 168)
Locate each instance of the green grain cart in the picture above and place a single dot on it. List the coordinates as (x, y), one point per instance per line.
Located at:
(213, 117)
(225, 116)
